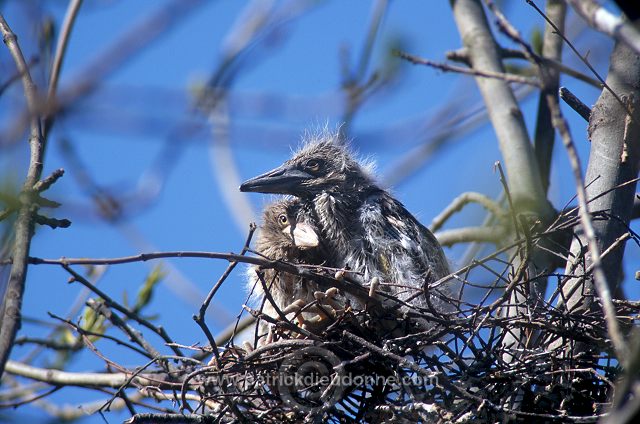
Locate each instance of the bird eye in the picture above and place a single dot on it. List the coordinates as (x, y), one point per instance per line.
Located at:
(282, 218)
(312, 165)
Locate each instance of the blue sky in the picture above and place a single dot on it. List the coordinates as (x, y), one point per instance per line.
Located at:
(291, 82)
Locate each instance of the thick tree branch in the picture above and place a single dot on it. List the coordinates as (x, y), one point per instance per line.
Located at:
(25, 223)
(83, 379)
(504, 111)
(472, 234)
(552, 49)
(459, 202)
(604, 21)
(614, 160)
(61, 48)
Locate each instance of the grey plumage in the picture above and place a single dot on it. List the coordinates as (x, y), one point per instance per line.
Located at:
(364, 227)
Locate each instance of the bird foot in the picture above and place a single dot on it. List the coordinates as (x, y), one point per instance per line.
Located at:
(328, 298)
(295, 307)
(325, 311)
(373, 286)
(248, 347)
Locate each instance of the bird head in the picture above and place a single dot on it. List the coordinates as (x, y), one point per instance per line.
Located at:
(323, 165)
(284, 230)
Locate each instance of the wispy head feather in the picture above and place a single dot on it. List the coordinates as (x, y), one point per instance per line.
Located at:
(332, 144)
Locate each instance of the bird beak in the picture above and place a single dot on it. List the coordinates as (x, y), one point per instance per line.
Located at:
(304, 236)
(282, 180)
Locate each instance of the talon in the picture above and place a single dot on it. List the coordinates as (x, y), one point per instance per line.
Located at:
(335, 305)
(248, 347)
(270, 336)
(339, 275)
(294, 307)
(301, 321)
(319, 295)
(331, 292)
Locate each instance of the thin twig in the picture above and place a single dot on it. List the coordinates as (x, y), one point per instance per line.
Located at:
(115, 305)
(473, 72)
(199, 319)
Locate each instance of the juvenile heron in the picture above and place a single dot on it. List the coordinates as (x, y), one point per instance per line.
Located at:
(286, 234)
(365, 229)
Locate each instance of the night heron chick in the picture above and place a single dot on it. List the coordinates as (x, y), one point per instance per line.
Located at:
(366, 229)
(287, 234)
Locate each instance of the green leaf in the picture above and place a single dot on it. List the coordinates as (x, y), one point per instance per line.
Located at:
(146, 291)
(537, 40)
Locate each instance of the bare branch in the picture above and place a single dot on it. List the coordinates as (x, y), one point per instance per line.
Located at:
(25, 223)
(471, 234)
(575, 103)
(474, 72)
(544, 138)
(459, 202)
(61, 48)
(604, 21)
(87, 379)
(614, 158)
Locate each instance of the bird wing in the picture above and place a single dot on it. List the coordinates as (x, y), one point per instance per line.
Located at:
(403, 251)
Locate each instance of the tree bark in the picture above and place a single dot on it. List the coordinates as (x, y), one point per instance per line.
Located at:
(614, 131)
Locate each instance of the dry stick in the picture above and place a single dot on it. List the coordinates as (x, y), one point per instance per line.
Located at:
(169, 418)
(575, 103)
(199, 319)
(462, 55)
(474, 72)
(25, 223)
(84, 332)
(185, 385)
(115, 305)
(134, 335)
(143, 257)
(283, 319)
(324, 282)
(441, 377)
(120, 392)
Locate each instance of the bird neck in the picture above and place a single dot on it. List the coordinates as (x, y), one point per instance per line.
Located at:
(337, 214)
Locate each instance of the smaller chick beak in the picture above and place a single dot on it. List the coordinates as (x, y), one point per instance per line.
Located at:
(282, 180)
(304, 236)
